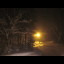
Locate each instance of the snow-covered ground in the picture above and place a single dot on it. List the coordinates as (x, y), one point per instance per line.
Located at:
(49, 49)
(25, 54)
(52, 49)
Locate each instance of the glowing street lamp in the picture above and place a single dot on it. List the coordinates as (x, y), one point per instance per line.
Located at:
(37, 35)
(37, 38)
(38, 42)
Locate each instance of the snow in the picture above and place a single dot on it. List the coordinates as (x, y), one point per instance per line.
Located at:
(49, 49)
(25, 54)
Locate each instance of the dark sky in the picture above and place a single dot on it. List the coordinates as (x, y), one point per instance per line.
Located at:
(45, 13)
(41, 16)
(47, 16)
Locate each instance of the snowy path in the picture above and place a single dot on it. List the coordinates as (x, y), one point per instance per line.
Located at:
(49, 49)
(25, 54)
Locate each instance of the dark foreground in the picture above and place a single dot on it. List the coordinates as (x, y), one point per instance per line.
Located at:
(49, 49)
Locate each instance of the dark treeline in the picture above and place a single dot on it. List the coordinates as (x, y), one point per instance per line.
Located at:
(16, 26)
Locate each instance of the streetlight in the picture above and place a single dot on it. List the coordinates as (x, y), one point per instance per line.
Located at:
(37, 35)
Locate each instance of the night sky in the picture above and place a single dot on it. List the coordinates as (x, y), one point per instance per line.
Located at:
(46, 14)
(42, 17)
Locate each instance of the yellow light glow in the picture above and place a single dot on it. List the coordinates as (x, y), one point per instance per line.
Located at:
(37, 35)
(38, 44)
